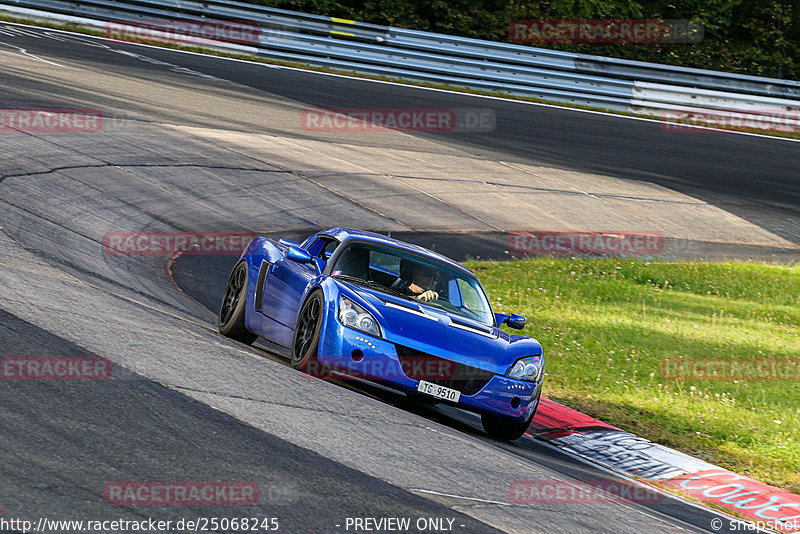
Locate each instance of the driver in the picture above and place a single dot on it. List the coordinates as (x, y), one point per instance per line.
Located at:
(419, 281)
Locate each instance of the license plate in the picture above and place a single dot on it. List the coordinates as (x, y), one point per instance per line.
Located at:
(440, 392)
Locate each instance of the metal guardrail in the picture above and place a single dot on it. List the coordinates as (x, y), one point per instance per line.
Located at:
(415, 55)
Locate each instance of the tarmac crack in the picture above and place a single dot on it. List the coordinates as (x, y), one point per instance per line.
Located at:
(141, 165)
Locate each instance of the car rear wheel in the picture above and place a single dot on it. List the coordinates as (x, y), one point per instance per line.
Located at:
(502, 428)
(231, 312)
(305, 347)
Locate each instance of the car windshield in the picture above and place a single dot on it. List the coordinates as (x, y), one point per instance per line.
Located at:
(401, 274)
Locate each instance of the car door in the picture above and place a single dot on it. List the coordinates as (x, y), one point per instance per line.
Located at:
(287, 280)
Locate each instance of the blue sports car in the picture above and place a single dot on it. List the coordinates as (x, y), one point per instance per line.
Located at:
(356, 303)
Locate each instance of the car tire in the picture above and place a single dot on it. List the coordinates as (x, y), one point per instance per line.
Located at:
(230, 319)
(305, 345)
(501, 428)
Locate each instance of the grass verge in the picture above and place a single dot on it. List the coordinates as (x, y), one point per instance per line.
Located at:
(611, 328)
(73, 27)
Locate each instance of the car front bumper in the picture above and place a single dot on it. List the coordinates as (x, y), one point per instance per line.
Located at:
(349, 352)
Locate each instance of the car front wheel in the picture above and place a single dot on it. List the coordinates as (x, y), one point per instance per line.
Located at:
(305, 346)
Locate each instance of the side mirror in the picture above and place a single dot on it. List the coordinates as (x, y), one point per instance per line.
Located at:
(517, 322)
(298, 254)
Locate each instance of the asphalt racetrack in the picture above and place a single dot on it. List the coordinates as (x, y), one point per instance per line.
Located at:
(194, 143)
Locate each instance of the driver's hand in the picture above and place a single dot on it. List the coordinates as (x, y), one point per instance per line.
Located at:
(428, 295)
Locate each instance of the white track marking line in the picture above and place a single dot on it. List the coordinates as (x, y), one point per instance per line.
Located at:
(28, 33)
(51, 36)
(484, 501)
(24, 52)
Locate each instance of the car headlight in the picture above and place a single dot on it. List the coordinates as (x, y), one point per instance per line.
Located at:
(529, 369)
(354, 316)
